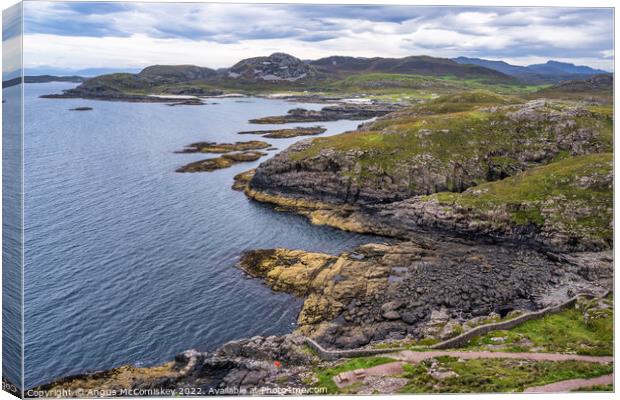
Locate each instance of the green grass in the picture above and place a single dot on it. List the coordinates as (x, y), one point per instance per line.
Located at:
(502, 88)
(384, 86)
(596, 388)
(564, 332)
(325, 376)
(458, 133)
(496, 375)
(525, 195)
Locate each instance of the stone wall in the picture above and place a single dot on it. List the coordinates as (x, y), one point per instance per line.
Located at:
(457, 341)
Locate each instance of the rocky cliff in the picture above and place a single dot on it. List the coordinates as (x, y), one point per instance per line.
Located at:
(276, 67)
(472, 165)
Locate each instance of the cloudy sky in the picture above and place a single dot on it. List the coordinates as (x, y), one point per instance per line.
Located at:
(134, 35)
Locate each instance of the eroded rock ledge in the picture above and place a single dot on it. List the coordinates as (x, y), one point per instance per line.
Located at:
(394, 291)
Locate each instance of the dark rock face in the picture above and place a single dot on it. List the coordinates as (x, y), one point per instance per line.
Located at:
(387, 291)
(317, 178)
(276, 67)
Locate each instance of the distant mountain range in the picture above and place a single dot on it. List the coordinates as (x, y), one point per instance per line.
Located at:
(86, 72)
(42, 79)
(286, 70)
(549, 72)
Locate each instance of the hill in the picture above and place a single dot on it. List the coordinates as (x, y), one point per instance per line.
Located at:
(597, 88)
(550, 72)
(42, 79)
(280, 71)
(556, 67)
(160, 74)
(416, 65)
(276, 67)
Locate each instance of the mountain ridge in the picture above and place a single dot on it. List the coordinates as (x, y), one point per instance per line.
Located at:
(550, 72)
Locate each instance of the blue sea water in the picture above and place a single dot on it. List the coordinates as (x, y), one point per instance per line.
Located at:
(129, 262)
(12, 236)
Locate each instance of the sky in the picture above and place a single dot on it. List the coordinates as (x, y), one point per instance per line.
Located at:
(74, 36)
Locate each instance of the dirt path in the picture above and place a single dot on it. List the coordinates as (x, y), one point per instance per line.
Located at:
(417, 356)
(407, 356)
(571, 384)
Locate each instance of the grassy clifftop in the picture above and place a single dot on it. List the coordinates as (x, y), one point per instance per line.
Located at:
(474, 163)
(447, 144)
(569, 201)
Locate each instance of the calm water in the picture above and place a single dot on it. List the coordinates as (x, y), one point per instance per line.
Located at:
(130, 262)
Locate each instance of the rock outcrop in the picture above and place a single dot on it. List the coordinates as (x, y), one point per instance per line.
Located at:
(394, 291)
(276, 67)
(255, 366)
(563, 206)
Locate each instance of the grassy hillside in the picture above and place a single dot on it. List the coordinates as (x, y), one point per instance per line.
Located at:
(462, 130)
(335, 74)
(586, 329)
(574, 195)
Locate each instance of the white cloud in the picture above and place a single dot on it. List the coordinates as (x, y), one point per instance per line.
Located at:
(607, 53)
(218, 35)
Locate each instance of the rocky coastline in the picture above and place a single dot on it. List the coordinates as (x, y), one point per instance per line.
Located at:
(490, 207)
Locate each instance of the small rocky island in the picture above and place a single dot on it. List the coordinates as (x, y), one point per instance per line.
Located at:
(330, 113)
(224, 161)
(232, 153)
(212, 147)
(287, 133)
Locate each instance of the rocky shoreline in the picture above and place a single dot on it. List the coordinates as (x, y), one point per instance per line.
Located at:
(487, 211)
(395, 291)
